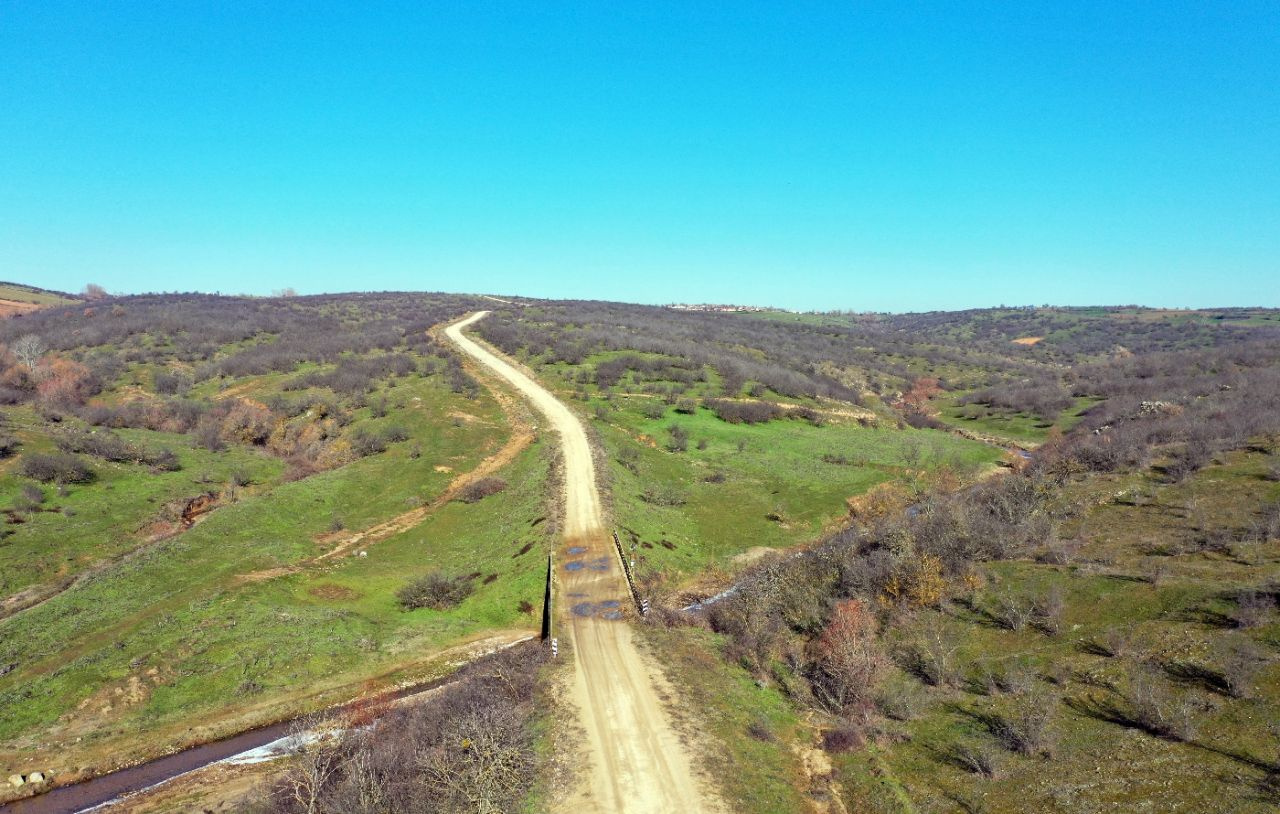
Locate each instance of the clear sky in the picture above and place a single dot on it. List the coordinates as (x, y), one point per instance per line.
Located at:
(886, 156)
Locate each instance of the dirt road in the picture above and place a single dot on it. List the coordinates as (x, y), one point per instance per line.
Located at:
(638, 763)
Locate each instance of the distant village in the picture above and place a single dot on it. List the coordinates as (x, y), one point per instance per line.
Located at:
(721, 308)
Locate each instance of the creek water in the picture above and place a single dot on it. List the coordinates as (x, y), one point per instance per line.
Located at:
(103, 791)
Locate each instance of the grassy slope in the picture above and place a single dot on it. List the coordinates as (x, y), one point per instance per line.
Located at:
(1100, 765)
(748, 727)
(779, 473)
(82, 525)
(38, 296)
(216, 646)
(1017, 427)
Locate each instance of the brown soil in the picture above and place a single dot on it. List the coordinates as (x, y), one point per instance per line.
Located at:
(9, 308)
(1028, 340)
(824, 790)
(333, 592)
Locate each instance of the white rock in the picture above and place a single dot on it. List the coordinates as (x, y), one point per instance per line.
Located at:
(16, 780)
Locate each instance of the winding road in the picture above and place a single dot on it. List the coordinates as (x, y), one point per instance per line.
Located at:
(637, 762)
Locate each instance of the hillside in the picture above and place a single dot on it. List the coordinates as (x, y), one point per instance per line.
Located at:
(1021, 559)
(16, 299)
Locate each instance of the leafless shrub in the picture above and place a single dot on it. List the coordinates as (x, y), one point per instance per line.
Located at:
(1238, 664)
(57, 467)
(1056, 551)
(977, 758)
(1252, 609)
(469, 748)
(480, 489)
(663, 494)
(847, 658)
(931, 657)
(1111, 642)
(755, 631)
(311, 770)
(900, 700)
(395, 434)
(1057, 673)
(1048, 611)
(208, 434)
(365, 442)
(845, 738)
(1025, 725)
(482, 763)
(1272, 470)
(992, 678)
(629, 457)
(1159, 710)
(679, 441)
(28, 349)
(759, 729)
(743, 412)
(1155, 570)
(435, 590)
(171, 384)
(32, 495)
(1012, 612)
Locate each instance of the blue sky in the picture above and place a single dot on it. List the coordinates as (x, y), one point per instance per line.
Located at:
(895, 156)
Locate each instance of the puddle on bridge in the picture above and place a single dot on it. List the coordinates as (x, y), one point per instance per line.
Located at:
(598, 564)
(600, 610)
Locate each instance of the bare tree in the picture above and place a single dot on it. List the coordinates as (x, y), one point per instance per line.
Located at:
(311, 769)
(28, 349)
(93, 291)
(849, 662)
(484, 758)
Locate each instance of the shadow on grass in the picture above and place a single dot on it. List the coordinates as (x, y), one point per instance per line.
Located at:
(1199, 675)
(976, 614)
(1111, 712)
(1201, 615)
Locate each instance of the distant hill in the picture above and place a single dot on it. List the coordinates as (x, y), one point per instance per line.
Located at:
(16, 298)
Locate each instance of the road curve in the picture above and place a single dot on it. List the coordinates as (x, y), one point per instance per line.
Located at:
(638, 764)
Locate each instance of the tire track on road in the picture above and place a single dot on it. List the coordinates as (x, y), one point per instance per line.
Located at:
(638, 763)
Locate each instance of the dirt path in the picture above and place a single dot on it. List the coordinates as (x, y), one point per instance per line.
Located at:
(637, 761)
(345, 543)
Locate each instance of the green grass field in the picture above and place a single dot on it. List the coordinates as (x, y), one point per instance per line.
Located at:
(1019, 428)
(80, 525)
(755, 485)
(1173, 621)
(37, 296)
(174, 633)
